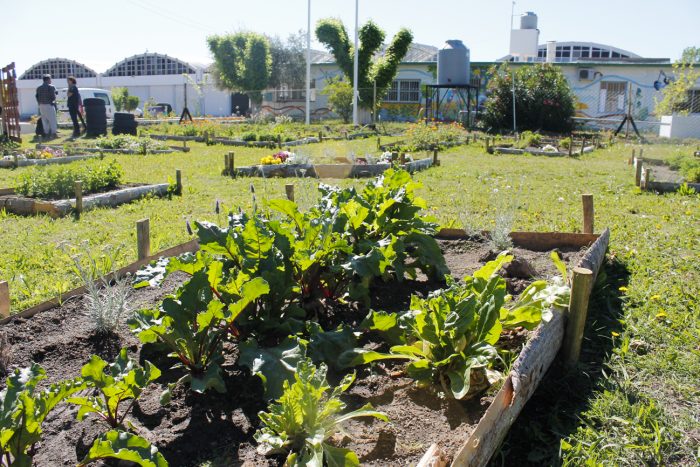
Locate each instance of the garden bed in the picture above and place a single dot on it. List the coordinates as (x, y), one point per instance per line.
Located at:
(537, 151)
(662, 177)
(327, 170)
(12, 163)
(195, 428)
(237, 142)
(27, 206)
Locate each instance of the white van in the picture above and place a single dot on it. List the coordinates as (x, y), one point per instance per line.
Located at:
(85, 93)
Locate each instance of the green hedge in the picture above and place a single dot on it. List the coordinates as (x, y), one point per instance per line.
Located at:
(58, 182)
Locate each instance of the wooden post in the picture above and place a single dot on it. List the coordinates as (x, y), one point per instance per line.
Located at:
(320, 137)
(184, 145)
(641, 153)
(78, 197)
(583, 146)
(436, 162)
(588, 213)
(647, 178)
(634, 154)
(394, 155)
(402, 158)
(581, 286)
(379, 142)
(231, 163)
(4, 299)
(289, 188)
(227, 156)
(638, 171)
(206, 138)
(279, 141)
(15, 157)
(143, 238)
(178, 182)
(571, 145)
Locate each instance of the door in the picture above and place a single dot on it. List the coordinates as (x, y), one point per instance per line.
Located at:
(240, 104)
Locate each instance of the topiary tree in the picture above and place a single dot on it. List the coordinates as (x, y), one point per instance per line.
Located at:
(119, 96)
(242, 62)
(131, 103)
(544, 100)
(331, 32)
(685, 74)
(339, 98)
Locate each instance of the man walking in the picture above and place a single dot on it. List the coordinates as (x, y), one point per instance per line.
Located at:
(75, 104)
(46, 98)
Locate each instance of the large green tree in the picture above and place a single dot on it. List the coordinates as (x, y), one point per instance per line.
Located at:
(288, 61)
(331, 32)
(543, 99)
(242, 62)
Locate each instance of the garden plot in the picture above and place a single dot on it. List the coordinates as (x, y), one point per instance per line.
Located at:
(42, 155)
(317, 275)
(536, 144)
(60, 190)
(679, 173)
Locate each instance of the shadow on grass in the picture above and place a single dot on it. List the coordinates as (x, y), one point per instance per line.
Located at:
(553, 411)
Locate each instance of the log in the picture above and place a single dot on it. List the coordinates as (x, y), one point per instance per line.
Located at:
(581, 286)
(433, 457)
(4, 299)
(535, 241)
(593, 258)
(527, 372)
(189, 247)
(588, 214)
(143, 239)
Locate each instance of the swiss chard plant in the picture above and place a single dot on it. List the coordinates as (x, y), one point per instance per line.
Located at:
(123, 381)
(300, 422)
(195, 321)
(23, 409)
(124, 446)
(449, 337)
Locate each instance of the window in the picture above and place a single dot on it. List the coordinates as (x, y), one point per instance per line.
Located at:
(613, 97)
(103, 96)
(595, 52)
(694, 101)
(404, 90)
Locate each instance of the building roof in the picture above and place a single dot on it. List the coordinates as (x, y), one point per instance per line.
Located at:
(58, 68)
(591, 52)
(148, 64)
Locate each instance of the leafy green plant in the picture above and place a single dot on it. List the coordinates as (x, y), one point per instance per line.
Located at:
(123, 380)
(194, 322)
(58, 181)
(138, 144)
(529, 139)
(305, 416)
(23, 409)
(124, 446)
(339, 98)
(449, 337)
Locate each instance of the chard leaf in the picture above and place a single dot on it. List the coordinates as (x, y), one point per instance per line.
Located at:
(339, 457)
(124, 446)
(361, 356)
(386, 324)
(273, 365)
(326, 346)
(460, 379)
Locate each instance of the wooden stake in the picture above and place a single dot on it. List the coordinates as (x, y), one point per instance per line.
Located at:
(320, 137)
(647, 178)
(641, 153)
(581, 286)
(583, 146)
(178, 182)
(634, 154)
(143, 238)
(379, 142)
(184, 144)
(402, 158)
(78, 197)
(638, 171)
(279, 141)
(226, 163)
(231, 163)
(436, 162)
(289, 188)
(4, 299)
(588, 213)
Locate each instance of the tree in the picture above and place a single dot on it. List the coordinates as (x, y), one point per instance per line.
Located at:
(544, 100)
(332, 33)
(339, 98)
(131, 103)
(242, 62)
(124, 101)
(288, 61)
(676, 94)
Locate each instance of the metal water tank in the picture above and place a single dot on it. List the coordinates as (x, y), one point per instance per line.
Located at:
(528, 20)
(453, 63)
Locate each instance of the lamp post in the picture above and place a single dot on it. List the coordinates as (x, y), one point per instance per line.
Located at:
(308, 64)
(354, 71)
(512, 14)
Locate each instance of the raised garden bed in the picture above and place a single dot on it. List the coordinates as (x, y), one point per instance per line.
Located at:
(12, 163)
(656, 175)
(26, 206)
(169, 150)
(538, 151)
(237, 142)
(327, 170)
(194, 428)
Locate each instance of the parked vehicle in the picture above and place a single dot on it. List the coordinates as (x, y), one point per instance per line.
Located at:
(86, 93)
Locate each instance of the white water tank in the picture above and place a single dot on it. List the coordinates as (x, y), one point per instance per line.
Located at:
(453, 63)
(528, 21)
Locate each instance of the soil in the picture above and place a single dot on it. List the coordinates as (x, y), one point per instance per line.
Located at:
(195, 428)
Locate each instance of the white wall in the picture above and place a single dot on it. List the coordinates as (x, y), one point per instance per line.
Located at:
(680, 126)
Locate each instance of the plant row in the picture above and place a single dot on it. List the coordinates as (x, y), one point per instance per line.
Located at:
(58, 181)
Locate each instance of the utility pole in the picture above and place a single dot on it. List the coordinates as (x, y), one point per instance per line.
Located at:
(512, 14)
(308, 64)
(355, 69)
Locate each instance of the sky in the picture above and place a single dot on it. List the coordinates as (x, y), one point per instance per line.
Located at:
(98, 33)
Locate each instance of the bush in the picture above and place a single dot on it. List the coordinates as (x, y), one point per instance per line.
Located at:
(339, 99)
(267, 137)
(249, 136)
(529, 139)
(688, 166)
(543, 100)
(58, 182)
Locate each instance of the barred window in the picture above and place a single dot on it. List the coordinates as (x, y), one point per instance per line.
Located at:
(404, 90)
(58, 69)
(149, 65)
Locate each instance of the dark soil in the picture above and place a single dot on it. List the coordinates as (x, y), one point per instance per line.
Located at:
(196, 428)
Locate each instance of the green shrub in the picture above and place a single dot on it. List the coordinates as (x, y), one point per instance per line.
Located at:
(543, 99)
(249, 136)
(688, 166)
(58, 182)
(267, 137)
(529, 139)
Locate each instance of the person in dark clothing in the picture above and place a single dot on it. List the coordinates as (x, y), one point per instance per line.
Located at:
(75, 105)
(46, 98)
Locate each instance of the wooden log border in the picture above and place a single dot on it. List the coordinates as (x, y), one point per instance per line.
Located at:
(10, 164)
(327, 170)
(528, 370)
(539, 152)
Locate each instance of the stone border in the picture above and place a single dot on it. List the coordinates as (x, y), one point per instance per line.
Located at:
(7, 164)
(536, 152)
(59, 208)
(327, 170)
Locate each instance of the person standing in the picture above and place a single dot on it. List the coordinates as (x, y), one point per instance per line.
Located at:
(46, 98)
(75, 105)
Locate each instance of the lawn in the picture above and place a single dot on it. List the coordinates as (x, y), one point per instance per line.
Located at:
(635, 398)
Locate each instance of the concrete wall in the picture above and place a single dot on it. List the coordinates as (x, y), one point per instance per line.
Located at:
(680, 126)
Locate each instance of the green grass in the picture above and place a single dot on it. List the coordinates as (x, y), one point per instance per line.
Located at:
(634, 399)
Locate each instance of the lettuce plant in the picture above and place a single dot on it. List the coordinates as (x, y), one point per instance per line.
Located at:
(305, 416)
(123, 380)
(23, 409)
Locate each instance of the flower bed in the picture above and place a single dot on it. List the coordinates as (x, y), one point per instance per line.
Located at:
(284, 294)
